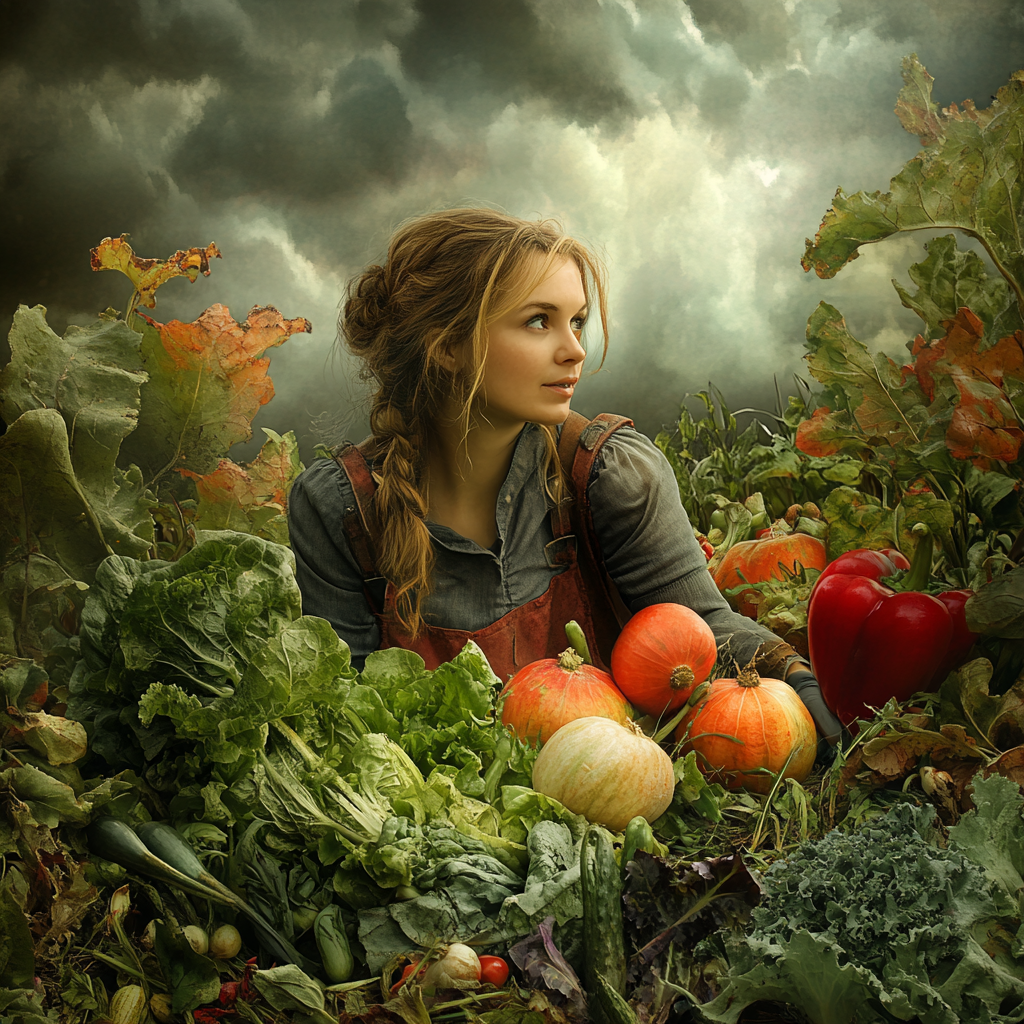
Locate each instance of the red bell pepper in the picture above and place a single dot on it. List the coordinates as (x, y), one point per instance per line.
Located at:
(870, 642)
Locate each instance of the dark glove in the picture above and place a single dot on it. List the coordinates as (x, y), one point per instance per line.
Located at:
(806, 686)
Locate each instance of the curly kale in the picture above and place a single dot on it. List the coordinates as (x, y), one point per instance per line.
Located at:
(887, 922)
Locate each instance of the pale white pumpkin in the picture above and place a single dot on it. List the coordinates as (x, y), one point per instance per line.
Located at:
(605, 771)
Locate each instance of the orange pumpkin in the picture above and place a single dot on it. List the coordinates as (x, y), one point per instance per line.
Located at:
(750, 723)
(756, 561)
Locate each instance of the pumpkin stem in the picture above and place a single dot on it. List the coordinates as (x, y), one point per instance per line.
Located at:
(748, 676)
(570, 660)
(682, 677)
(574, 634)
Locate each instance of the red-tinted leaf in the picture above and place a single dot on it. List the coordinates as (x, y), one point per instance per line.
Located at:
(148, 275)
(984, 425)
(250, 498)
(828, 433)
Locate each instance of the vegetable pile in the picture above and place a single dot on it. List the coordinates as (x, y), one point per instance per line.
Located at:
(209, 814)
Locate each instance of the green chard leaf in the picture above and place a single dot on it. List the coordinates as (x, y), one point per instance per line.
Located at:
(967, 176)
(857, 520)
(876, 407)
(997, 609)
(950, 278)
(91, 378)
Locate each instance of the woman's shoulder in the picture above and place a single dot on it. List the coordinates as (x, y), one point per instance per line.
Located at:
(627, 451)
(322, 487)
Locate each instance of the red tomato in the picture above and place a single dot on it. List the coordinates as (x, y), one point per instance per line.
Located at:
(493, 970)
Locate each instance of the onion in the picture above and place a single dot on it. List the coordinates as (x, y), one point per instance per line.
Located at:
(197, 938)
(458, 968)
(225, 942)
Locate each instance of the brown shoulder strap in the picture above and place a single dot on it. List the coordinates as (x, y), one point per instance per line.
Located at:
(360, 522)
(578, 449)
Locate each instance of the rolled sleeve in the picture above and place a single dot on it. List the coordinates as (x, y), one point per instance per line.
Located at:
(649, 547)
(327, 573)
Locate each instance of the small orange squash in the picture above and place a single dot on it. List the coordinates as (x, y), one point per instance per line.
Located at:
(544, 695)
(608, 772)
(770, 558)
(750, 723)
(664, 652)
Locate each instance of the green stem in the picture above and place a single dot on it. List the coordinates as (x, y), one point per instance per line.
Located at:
(669, 727)
(921, 564)
(574, 634)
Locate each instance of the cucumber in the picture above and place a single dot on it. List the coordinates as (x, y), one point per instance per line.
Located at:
(638, 836)
(603, 935)
(613, 1005)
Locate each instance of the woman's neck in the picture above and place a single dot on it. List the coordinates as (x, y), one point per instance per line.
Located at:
(464, 476)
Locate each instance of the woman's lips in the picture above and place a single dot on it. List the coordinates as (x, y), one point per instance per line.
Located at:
(562, 389)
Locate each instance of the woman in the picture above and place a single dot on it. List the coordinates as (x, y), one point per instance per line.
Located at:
(480, 507)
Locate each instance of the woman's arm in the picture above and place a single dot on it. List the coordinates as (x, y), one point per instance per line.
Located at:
(648, 545)
(653, 557)
(328, 576)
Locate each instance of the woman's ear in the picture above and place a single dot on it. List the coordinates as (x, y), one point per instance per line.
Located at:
(451, 355)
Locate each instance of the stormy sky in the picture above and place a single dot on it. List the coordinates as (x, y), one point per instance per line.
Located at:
(695, 144)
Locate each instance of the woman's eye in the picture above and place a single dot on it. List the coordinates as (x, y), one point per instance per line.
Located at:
(578, 323)
(540, 320)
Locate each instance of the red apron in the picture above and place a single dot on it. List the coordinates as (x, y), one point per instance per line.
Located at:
(582, 591)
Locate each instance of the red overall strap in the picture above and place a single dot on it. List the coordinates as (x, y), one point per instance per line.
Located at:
(578, 448)
(360, 522)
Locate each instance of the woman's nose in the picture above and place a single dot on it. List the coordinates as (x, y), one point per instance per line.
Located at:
(573, 348)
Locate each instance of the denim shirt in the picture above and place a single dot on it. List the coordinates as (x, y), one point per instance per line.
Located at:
(645, 538)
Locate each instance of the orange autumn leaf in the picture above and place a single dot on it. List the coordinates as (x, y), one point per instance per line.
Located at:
(207, 381)
(828, 433)
(813, 435)
(984, 424)
(147, 275)
(252, 497)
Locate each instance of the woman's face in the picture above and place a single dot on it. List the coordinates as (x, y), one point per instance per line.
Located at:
(534, 355)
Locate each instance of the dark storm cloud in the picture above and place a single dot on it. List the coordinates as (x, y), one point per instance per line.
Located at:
(512, 50)
(696, 144)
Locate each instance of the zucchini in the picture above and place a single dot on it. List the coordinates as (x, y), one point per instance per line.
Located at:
(603, 934)
(331, 940)
(114, 840)
(638, 836)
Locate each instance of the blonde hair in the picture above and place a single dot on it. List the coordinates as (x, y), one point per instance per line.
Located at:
(447, 277)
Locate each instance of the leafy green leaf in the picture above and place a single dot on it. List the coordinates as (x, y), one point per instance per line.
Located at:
(42, 498)
(997, 609)
(967, 176)
(857, 520)
(884, 410)
(950, 278)
(250, 498)
(193, 978)
(17, 957)
(289, 988)
(92, 377)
